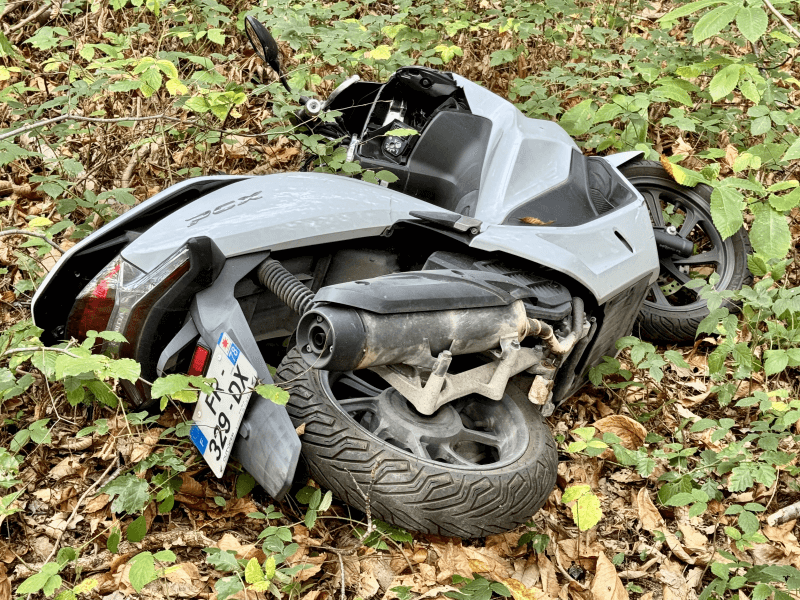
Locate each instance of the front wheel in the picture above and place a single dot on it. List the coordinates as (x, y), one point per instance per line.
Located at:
(671, 312)
(474, 468)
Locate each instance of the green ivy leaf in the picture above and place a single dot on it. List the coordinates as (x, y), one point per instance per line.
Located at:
(727, 207)
(793, 152)
(402, 132)
(227, 587)
(574, 492)
(142, 570)
(382, 52)
(578, 119)
(769, 233)
(216, 36)
(165, 556)
(273, 392)
(714, 21)
(785, 202)
(752, 21)
(387, 176)
(244, 485)
(686, 10)
(253, 572)
(137, 529)
(587, 512)
(132, 493)
(113, 541)
(269, 568)
(724, 81)
(776, 361)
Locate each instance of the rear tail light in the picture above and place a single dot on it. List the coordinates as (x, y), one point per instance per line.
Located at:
(199, 361)
(120, 297)
(95, 304)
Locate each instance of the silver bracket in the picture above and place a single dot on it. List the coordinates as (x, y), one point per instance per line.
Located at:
(441, 387)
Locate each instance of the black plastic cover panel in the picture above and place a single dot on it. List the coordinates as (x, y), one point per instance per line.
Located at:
(548, 300)
(419, 291)
(592, 189)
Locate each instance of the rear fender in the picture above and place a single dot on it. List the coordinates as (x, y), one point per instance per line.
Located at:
(266, 444)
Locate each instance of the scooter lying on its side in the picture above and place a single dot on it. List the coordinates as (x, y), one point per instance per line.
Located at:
(432, 324)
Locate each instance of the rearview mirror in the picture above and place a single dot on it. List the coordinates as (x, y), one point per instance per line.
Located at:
(265, 46)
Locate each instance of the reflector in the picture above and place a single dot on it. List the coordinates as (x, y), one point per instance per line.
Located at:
(199, 361)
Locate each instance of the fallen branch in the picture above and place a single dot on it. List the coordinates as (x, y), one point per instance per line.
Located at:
(104, 560)
(70, 117)
(30, 17)
(35, 234)
(370, 528)
(36, 349)
(138, 155)
(782, 19)
(787, 513)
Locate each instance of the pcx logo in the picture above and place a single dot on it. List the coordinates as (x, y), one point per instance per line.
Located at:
(223, 207)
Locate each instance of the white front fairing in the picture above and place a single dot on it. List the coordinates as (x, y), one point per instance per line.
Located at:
(524, 158)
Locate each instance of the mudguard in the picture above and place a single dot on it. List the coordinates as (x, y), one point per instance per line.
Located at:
(266, 444)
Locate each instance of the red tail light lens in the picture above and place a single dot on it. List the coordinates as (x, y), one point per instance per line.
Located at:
(199, 360)
(95, 303)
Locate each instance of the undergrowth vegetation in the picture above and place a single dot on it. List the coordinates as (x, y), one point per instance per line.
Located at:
(105, 103)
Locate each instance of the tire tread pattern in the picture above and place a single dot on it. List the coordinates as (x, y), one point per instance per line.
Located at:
(419, 495)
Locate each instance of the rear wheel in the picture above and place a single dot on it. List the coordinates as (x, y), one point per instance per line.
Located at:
(671, 312)
(475, 467)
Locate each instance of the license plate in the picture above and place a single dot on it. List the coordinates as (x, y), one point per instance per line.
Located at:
(217, 416)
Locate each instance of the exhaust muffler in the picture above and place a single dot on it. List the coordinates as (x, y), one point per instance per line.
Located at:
(342, 338)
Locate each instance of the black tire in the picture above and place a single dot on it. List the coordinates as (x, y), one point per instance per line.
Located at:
(671, 315)
(419, 494)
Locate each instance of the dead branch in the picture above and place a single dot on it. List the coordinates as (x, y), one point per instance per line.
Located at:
(782, 19)
(25, 190)
(104, 560)
(787, 513)
(36, 349)
(70, 117)
(30, 17)
(35, 234)
(135, 159)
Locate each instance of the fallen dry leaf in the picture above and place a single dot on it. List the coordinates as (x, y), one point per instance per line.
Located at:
(5, 584)
(65, 468)
(243, 551)
(649, 516)
(630, 432)
(520, 592)
(452, 560)
(487, 562)
(606, 585)
(97, 503)
(547, 572)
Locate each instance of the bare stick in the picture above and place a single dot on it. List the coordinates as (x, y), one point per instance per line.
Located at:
(41, 236)
(787, 513)
(11, 6)
(782, 19)
(80, 501)
(137, 156)
(71, 117)
(36, 349)
(30, 17)
(341, 572)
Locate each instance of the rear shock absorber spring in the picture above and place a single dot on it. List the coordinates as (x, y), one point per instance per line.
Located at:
(274, 276)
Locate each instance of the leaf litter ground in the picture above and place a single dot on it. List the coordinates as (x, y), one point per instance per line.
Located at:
(662, 551)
